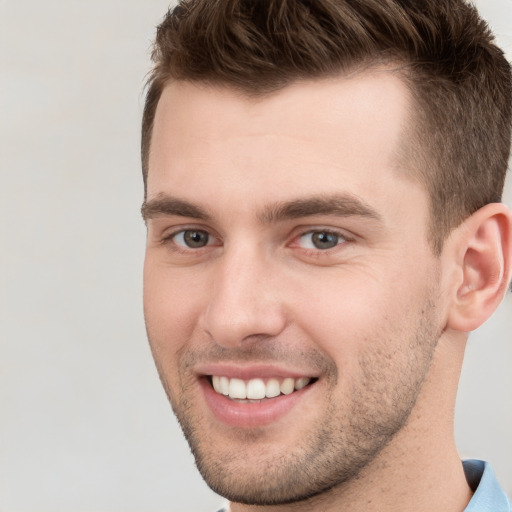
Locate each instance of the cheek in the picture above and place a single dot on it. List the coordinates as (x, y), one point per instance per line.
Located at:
(350, 311)
(171, 309)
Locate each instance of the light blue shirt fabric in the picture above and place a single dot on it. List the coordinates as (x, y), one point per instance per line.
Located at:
(488, 495)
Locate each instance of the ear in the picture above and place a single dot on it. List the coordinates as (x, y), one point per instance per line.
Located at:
(484, 259)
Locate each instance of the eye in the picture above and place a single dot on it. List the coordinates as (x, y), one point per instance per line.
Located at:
(192, 238)
(321, 240)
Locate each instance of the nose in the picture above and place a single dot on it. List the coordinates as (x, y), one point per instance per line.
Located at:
(245, 303)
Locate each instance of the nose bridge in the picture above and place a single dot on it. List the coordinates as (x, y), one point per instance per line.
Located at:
(243, 301)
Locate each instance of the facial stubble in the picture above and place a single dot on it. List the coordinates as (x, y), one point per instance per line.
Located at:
(250, 469)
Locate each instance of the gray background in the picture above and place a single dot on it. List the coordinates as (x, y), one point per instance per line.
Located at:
(84, 423)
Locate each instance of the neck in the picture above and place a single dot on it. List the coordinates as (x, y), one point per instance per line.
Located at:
(420, 468)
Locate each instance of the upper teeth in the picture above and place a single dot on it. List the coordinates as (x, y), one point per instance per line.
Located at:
(256, 389)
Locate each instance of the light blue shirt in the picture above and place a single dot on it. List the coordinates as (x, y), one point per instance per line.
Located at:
(488, 495)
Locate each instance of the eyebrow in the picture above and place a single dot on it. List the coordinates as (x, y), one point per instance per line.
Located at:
(171, 206)
(340, 205)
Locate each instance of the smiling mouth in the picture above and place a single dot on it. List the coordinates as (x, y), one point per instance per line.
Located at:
(255, 390)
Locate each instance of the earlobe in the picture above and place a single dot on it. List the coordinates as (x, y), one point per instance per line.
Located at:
(485, 254)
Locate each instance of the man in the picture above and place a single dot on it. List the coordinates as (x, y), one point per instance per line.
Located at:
(322, 198)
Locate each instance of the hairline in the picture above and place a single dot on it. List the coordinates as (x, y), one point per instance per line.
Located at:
(414, 161)
(259, 92)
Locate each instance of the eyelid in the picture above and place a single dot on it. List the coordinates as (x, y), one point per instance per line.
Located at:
(215, 239)
(169, 235)
(179, 238)
(345, 238)
(306, 230)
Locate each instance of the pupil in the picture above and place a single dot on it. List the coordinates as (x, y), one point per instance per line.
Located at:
(196, 238)
(325, 240)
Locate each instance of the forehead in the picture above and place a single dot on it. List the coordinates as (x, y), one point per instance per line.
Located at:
(337, 135)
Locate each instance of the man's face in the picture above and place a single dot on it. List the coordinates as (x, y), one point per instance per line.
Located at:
(287, 249)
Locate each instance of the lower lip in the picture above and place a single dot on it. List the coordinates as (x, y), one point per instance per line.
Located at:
(250, 414)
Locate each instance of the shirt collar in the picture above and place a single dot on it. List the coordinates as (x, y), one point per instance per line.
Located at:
(489, 496)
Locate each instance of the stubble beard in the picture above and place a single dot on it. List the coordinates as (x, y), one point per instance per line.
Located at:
(330, 454)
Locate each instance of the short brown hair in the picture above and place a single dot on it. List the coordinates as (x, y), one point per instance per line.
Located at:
(460, 80)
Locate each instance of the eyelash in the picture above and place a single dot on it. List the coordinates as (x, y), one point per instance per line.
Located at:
(343, 238)
(169, 240)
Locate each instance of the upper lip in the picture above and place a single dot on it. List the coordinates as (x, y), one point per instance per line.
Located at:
(248, 372)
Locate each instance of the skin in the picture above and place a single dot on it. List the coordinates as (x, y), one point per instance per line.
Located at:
(369, 318)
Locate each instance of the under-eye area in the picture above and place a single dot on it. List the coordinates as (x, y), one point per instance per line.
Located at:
(258, 389)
